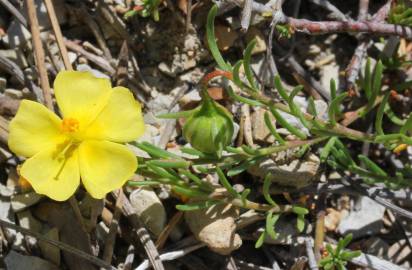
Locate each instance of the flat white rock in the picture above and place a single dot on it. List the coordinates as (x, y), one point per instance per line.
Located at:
(150, 209)
(216, 227)
(364, 220)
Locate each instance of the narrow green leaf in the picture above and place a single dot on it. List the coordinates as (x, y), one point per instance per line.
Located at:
(243, 166)
(329, 266)
(193, 152)
(334, 108)
(325, 261)
(300, 210)
(225, 183)
(342, 243)
(312, 107)
(211, 39)
(372, 166)
(295, 91)
(379, 114)
(392, 116)
(343, 147)
(326, 150)
(330, 250)
(247, 56)
(235, 150)
(163, 172)
(261, 240)
(196, 206)
(202, 169)
(266, 190)
(241, 99)
(335, 165)
(295, 109)
(408, 125)
(272, 129)
(202, 184)
(143, 183)
(281, 90)
(340, 265)
(332, 89)
(236, 74)
(169, 163)
(367, 83)
(349, 255)
(270, 224)
(155, 151)
(286, 124)
(249, 150)
(396, 138)
(189, 192)
(300, 223)
(377, 82)
(243, 196)
(341, 157)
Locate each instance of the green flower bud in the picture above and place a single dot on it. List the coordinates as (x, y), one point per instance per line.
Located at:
(210, 128)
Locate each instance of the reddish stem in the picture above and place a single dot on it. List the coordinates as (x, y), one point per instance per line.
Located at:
(216, 73)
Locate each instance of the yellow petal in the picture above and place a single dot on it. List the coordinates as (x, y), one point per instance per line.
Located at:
(121, 119)
(80, 95)
(53, 175)
(105, 166)
(34, 128)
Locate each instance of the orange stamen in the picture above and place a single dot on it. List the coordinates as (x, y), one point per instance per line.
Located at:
(70, 125)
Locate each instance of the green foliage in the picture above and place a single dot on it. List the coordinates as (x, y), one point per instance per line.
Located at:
(211, 40)
(334, 109)
(210, 128)
(284, 31)
(371, 84)
(400, 14)
(269, 230)
(148, 8)
(337, 258)
(185, 176)
(246, 63)
(300, 221)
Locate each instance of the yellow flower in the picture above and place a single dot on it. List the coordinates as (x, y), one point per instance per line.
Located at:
(86, 143)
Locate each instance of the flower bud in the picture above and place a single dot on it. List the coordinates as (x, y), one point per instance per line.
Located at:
(210, 128)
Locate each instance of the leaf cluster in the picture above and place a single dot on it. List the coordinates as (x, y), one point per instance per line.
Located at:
(185, 175)
(338, 257)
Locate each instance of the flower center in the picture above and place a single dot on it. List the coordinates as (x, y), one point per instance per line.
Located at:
(70, 125)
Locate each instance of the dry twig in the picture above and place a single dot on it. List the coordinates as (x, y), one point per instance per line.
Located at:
(16, 13)
(141, 232)
(172, 255)
(161, 240)
(39, 53)
(313, 264)
(58, 34)
(352, 70)
(94, 27)
(111, 236)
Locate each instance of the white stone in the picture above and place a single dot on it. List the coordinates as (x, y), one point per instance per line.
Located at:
(363, 221)
(150, 209)
(216, 227)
